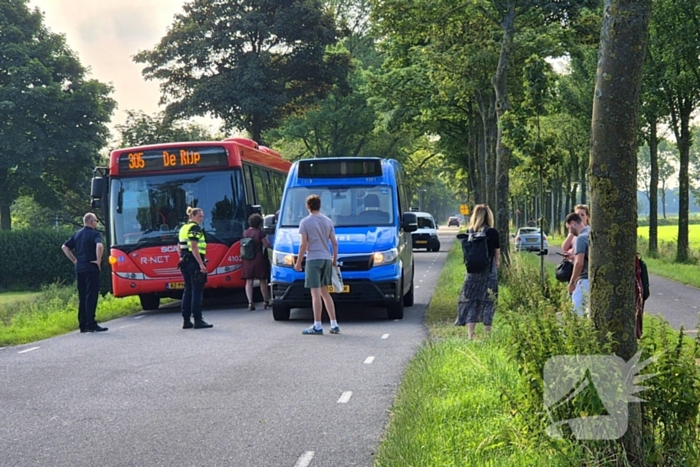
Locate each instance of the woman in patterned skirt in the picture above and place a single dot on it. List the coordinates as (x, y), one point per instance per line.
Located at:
(476, 300)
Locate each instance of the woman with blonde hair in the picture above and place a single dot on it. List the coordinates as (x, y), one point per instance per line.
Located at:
(476, 300)
(193, 251)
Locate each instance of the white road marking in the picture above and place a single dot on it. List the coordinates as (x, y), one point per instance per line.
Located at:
(305, 459)
(345, 397)
(369, 360)
(139, 317)
(126, 326)
(28, 350)
(385, 336)
(689, 331)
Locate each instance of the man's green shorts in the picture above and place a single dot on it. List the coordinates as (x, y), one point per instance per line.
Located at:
(318, 273)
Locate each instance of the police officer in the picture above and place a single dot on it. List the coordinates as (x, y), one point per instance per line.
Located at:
(193, 248)
(88, 247)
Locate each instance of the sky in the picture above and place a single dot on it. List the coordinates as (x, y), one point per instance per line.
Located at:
(106, 34)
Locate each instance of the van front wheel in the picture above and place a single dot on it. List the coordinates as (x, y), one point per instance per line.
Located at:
(395, 310)
(280, 312)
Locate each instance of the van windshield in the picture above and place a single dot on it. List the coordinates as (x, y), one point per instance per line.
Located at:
(346, 206)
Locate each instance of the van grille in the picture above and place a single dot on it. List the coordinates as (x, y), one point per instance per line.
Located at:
(356, 263)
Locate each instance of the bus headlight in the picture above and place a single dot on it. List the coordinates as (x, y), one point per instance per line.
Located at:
(283, 259)
(385, 257)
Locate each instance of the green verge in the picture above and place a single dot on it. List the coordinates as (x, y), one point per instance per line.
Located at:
(53, 312)
(450, 409)
(471, 403)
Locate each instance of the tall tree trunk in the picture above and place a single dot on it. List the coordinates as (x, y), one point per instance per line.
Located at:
(500, 86)
(613, 178)
(487, 110)
(683, 189)
(653, 188)
(6, 198)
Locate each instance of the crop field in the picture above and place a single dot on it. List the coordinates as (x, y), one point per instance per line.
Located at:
(669, 233)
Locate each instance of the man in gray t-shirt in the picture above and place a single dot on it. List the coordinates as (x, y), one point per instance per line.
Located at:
(578, 284)
(316, 232)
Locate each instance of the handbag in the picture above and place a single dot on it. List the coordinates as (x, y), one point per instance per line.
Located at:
(337, 280)
(564, 270)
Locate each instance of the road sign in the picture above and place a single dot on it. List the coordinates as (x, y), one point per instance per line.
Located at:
(464, 209)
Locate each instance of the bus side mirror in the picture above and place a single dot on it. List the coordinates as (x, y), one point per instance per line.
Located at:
(96, 189)
(409, 222)
(270, 224)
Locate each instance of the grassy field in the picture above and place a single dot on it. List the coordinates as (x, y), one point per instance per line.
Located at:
(9, 298)
(669, 233)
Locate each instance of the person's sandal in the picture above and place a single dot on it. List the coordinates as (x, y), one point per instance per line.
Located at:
(251, 307)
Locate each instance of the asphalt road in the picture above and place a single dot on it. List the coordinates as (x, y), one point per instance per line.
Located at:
(676, 303)
(249, 392)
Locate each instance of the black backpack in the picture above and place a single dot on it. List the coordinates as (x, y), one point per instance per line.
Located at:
(475, 249)
(247, 248)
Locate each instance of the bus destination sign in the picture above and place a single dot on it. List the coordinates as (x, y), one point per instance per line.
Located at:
(189, 157)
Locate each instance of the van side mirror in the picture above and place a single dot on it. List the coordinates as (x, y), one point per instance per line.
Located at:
(409, 222)
(270, 224)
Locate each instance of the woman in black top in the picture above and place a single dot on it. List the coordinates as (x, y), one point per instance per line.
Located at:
(476, 300)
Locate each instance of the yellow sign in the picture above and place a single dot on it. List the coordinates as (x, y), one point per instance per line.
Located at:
(464, 209)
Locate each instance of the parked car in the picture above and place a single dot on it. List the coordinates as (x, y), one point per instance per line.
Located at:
(426, 236)
(453, 221)
(528, 239)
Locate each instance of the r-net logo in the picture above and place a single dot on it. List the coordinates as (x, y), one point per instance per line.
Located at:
(597, 388)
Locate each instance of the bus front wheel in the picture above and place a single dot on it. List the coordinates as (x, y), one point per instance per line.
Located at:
(149, 301)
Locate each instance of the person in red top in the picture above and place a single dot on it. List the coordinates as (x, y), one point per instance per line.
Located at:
(258, 267)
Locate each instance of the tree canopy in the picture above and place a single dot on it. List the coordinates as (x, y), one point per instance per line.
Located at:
(248, 62)
(54, 118)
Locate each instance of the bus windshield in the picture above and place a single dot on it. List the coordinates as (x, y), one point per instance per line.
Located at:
(347, 206)
(151, 210)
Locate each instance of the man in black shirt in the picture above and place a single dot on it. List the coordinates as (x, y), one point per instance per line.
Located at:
(88, 247)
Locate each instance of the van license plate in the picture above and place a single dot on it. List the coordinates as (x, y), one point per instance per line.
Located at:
(346, 289)
(421, 242)
(175, 285)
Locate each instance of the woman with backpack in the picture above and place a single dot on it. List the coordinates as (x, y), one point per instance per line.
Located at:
(481, 246)
(259, 266)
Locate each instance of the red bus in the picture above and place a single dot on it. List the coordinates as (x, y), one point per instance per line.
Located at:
(144, 195)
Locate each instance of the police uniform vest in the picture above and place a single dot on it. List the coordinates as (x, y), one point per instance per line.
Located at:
(185, 236)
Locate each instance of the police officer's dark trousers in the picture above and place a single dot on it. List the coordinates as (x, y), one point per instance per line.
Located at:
(88, 290)
(193, 293)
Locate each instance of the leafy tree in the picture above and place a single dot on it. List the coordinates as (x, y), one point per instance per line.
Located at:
(613, 175)
(248, 62)
(674, 45)
(53, 118)
(140, 129)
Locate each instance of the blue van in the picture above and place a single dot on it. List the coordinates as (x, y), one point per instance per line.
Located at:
(366, 200)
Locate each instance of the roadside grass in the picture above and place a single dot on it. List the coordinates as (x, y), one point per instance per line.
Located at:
(53, 312)
(451, 409)
(479, 403)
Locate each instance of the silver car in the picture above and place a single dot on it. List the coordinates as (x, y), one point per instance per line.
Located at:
(528, 239)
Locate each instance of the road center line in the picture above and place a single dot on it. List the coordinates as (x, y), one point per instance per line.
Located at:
(369, 360)
(305, 459)
(385, 336)
(28, 350)
(345, 397)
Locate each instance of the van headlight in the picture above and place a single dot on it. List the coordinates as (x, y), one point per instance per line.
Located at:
(283, 259)
(385, 257)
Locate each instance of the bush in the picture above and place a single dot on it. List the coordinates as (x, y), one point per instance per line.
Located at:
(542, 325)
(32, 258)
